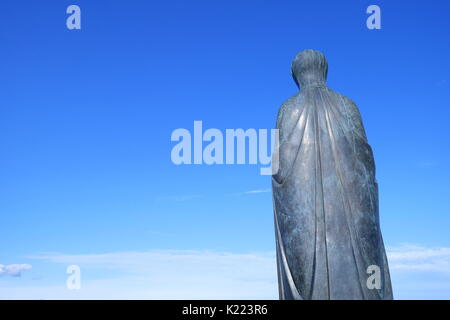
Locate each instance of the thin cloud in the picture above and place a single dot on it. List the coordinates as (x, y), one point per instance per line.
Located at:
(419, 258)
(257, 191)
(14, 270)
(417, 272)
(170, 274)
(426, 164)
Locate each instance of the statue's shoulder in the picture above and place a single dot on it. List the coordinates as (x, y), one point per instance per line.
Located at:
(348, 101)
(344, 99)
(350, 109)
(288, 109)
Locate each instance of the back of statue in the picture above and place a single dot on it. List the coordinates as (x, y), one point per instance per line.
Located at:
(329, 243)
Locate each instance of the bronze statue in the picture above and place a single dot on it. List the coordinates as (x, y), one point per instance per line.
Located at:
(328, 236)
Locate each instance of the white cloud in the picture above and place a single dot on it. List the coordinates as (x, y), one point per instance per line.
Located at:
(14, 270)
(417, 272)
(426, 164)
(420, 258)
(163, 274)
(258, 191)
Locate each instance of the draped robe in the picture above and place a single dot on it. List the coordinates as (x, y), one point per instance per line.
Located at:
(325, 195)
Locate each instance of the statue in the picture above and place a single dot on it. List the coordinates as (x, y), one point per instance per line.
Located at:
(328, 238)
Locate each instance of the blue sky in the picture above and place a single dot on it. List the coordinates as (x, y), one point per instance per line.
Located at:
(86, 118)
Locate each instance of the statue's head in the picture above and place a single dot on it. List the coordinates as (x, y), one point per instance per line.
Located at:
(309, 67)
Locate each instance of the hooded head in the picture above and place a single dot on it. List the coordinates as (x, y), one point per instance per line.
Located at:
(309, 68)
